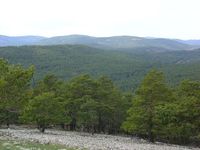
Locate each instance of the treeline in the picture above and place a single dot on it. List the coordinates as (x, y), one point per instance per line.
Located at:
(154, 111)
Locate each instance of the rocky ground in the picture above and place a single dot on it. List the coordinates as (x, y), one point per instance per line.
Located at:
(86, 141)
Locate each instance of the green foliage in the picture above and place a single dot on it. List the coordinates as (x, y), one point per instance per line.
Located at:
(50, 83)
(152, 93)
(109, 99)
(47, 106)
(160, 113)
(77, 91)
(185, 113)
(44, 110)
(93, 104)
(14, 89)
(87, 115)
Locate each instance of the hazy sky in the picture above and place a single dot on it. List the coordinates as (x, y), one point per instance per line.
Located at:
(157, 18)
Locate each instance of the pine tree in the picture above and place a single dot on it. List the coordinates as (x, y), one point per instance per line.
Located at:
(142, 118)
(44, 110)
(14, 89)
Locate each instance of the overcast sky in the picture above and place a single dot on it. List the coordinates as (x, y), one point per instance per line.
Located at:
(155, 18)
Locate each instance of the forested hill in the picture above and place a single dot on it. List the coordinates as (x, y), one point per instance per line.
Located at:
(126, 68)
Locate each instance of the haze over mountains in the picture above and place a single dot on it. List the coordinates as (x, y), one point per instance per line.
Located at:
(114, 42)
(19, 40)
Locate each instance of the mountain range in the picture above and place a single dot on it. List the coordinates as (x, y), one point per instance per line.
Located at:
(19, 40)
(114, 42)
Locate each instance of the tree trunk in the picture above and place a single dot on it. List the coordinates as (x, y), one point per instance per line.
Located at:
(151, 136)
(8, 125)
(93, 129)
(62, 126)
(73, 124)
(99, 124)
(150, 133)
(42, 128)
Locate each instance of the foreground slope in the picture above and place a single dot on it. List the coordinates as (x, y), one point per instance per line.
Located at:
(86, 140)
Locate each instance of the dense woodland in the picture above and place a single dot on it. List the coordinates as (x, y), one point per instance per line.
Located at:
(126, 67)
(155, 110)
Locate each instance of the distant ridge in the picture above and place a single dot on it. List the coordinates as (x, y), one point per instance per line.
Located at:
(19, 40)
(113, 42)
(191, 42)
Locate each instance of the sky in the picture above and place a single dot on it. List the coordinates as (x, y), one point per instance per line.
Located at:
(151, 18)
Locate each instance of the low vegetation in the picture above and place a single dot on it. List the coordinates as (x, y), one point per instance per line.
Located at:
(24, 145)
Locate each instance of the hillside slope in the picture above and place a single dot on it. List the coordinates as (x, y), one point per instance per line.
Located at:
(125, 68)
(82, 140)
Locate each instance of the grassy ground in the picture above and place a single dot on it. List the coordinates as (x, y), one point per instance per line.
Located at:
(21, 145)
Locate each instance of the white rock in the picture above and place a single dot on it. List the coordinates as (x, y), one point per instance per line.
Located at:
(88, 141)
